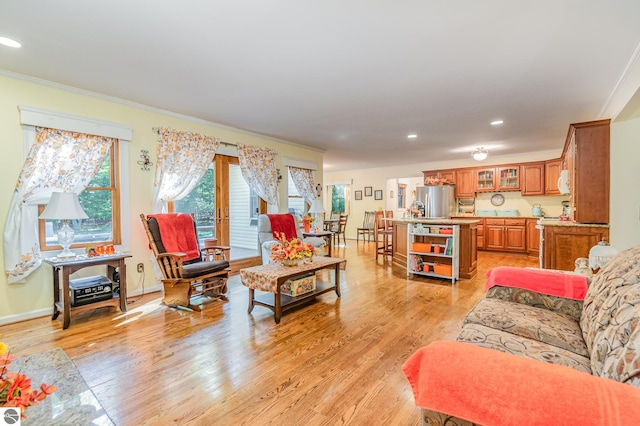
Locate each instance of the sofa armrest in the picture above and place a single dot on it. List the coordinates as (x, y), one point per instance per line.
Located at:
(491, 387)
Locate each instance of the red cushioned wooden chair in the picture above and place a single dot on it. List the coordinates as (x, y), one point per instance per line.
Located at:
(205, 274)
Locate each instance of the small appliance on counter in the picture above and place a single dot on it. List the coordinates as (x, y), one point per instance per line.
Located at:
(566, 211)
(536, 210)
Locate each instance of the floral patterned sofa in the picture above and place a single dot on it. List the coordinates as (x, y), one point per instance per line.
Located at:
(589, 351)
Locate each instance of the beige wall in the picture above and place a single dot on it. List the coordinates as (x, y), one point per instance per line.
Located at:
(625, 183)
(34, 297)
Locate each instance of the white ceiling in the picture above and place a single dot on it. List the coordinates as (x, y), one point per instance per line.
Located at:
(351, 77)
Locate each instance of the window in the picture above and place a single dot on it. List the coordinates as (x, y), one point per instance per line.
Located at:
(340, 199)
(100, 201)
(295, 202)
(402, 196)
(201, 202)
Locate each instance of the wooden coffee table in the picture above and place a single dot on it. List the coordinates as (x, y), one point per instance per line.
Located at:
(270, 278)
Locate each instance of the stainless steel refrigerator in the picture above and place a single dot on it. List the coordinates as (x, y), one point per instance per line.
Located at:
(439, 200)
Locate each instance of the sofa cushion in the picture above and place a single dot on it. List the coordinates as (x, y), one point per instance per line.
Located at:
(503, 341)
(570, 307)
(611, 318)
(539, 324)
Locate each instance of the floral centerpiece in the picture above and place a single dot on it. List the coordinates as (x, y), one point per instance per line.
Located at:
(291, 252)
(307, 221)
(15, 388)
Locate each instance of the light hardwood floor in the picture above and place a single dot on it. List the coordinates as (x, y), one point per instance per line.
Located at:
(336, 361)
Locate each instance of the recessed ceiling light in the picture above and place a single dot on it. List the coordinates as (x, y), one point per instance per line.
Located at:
(497, 122)
(9, 42)
(412, 136)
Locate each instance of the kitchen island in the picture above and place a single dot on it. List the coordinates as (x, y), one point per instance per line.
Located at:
(466, 229)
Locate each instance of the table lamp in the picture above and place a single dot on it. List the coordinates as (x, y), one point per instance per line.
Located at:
(316, 209)
(64, 206)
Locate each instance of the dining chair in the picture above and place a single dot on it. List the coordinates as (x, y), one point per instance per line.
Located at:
(341, 229)
(367, 229)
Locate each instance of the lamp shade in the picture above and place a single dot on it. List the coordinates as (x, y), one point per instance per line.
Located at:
(479, 154)
(63, 205)
(316, 206)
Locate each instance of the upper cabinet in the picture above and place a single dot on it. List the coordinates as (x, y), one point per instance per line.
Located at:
(501, 178)
(485, 179)
(464, 183)
(586, 157)
(533, 179)
(446, 176)
(508, 178)
(552, 169)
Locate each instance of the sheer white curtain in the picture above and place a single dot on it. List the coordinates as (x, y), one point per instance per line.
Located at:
(258, 165)
(183, 159)
(303, 181)
(58, 160)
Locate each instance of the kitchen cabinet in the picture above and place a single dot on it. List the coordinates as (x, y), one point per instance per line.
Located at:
(502, 178)
(552, 169)
(448, 176)
(533, 175)
(485, 180)
(586, 155)
(480, 238)
(508, 178)
(533, 237)
(464, 183)
(563, 244)
(505, 235)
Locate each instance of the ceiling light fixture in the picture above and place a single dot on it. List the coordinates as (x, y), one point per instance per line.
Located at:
(9, 42)
(412, 136)
(497, 122)
(479, 154)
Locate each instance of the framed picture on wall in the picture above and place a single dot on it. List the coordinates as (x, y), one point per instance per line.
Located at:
(378, 194)
(358, 195)
(368, 191)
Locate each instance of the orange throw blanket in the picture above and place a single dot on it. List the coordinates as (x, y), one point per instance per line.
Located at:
(553, 283)
(178, 234)
(283, 223)
(490, 387)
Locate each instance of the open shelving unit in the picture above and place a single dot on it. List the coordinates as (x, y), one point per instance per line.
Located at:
(433, 251)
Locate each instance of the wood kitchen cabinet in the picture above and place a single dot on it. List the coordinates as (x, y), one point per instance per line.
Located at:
(480, 238)
(505, 235)
(552, 169)
(533, 237)
(586, 155)
(563, 244)
(533, 175)
(508, 178)
(447, 175)
(485, 180)
(465, 187)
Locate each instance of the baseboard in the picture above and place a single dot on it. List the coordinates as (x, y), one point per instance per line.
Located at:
(47, 312)
(39, 313)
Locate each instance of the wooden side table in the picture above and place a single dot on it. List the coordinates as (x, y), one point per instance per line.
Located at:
(61, 299)
(322, 234)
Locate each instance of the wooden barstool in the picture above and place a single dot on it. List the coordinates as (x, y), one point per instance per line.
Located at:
(383, 236)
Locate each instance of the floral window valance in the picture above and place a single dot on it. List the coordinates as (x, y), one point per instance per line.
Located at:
(258, 165)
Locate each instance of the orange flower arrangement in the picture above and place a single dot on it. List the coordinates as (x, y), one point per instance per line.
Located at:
(290, 250)
(307, 219)
(15, 388)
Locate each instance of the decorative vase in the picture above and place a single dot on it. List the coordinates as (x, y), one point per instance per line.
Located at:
(307, 227)
(290, 262)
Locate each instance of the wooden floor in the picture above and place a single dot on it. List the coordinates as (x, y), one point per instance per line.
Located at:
(335, 361)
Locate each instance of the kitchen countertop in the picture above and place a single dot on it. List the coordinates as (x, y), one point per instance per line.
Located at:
(555, 222)
(437, 221)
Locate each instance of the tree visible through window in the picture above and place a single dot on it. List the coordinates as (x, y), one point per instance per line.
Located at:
(338, 198)
(201, 202)
(100, 201)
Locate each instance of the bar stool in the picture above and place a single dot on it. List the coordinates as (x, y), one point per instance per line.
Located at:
(383, 236)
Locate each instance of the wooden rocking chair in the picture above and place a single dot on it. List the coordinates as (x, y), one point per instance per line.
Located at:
(205, 275)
